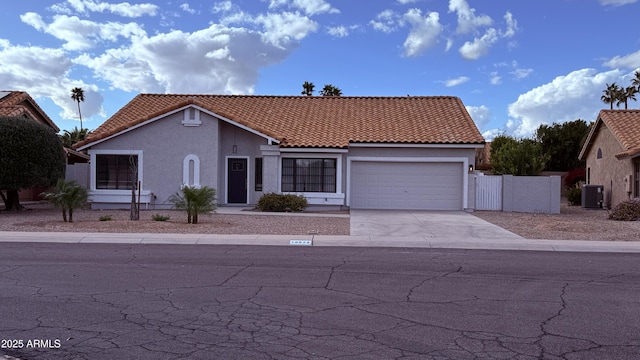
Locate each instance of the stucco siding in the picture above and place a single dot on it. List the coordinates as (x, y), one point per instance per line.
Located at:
(608, 170)
(164, 144)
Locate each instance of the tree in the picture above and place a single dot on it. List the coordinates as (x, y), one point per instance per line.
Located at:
(330, 90)
(77, 94)
(561, 144)
(71, 137)
(626, 94)
(67, 195)
(195, 201)
(610, 94)
(516, 157)
(307, 88)
(32, 155)
(636, 81)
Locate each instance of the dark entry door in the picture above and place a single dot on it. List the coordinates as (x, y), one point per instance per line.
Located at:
(237, 181)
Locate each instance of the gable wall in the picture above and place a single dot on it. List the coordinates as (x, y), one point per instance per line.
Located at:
(165, 143)
(608, 171)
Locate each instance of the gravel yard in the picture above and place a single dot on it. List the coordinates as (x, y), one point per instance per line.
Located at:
(42, 217)
(573, 223)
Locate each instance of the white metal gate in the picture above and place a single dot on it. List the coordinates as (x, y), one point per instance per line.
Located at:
(488, 192)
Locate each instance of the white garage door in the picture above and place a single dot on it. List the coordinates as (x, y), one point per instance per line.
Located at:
(406, 185)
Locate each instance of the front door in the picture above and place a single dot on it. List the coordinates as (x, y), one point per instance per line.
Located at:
(237, 181)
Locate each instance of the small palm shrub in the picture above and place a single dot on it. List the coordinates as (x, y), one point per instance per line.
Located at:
(626, 211)
(195, 201)
(159, 217)
(105, 218)
(574, 194)
(282, 202)
(67, 195)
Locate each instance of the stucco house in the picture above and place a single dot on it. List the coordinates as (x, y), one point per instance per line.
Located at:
(359, 152)
(612, 154)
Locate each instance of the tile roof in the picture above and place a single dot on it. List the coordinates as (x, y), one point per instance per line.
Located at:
(316, 121)
(19, 103)
(624, 125)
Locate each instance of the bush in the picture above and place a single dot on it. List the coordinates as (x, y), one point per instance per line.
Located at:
(282, 202)
(574, 194)
(105, 218)
(158, 217)
(626, 211)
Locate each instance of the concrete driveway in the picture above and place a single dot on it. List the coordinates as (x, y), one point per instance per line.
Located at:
(425, 225)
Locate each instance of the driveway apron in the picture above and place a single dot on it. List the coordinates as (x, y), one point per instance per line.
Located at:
(425, 224)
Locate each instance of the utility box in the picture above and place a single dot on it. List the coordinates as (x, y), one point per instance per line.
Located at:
(592, 196)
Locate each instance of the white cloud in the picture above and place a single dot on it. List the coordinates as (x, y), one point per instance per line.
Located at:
(338, 31)
(185, 7)
(424, 32)
(457, 81)
(387, 21)
(479, 46)
(490, 134)
(629, 61)
(494, 78)
(468, 22)
(617, 2)
(565, 98)
(81, 34)
(283, 28)
(404, 2)
(512, 25)
(519, 74)
(310, 7)
(44, 72)
(122, 9)
(481, 115)
(223, 6)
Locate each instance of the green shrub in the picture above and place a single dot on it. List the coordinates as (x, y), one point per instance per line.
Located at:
(158, 217)
(574, 194)
(282, 202)
(105, 218)
(626, 211)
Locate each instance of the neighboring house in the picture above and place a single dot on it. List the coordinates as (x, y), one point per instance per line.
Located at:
(612, 154)
(20, 104)
(359, 152)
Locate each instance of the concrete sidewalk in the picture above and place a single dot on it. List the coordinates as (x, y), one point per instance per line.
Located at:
(324, 240)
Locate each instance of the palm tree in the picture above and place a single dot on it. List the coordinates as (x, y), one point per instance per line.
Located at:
(636, 81)
(77, 94)
(307, 88)
(628, 93)
(71, 137)
(330, 90)
(610, 95)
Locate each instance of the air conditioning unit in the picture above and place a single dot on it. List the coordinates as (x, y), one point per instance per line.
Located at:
(592, 196)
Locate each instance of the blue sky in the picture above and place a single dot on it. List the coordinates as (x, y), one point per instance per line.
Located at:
(514, 64)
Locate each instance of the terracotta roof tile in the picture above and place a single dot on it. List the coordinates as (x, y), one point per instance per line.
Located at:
(18, 103)
(624, 125)
(302, 121)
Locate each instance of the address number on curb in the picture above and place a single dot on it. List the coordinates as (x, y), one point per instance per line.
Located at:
(300, 242)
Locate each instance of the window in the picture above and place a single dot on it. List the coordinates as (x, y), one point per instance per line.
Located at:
(599, 154)
(258, 175)
(308, 175)
(114, 172)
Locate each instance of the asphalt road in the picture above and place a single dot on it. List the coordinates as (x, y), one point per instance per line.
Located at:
(109, 301)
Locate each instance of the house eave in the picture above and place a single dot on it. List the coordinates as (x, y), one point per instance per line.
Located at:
(169, 113)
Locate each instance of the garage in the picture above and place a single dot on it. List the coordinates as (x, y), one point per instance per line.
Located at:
(406, 185)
